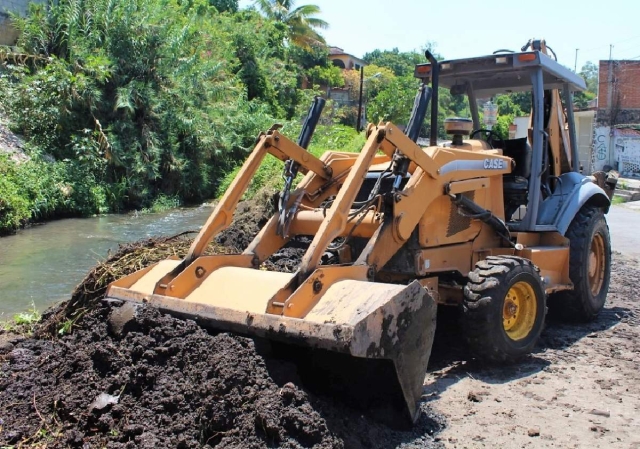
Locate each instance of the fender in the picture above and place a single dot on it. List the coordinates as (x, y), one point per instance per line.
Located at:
(574, 191)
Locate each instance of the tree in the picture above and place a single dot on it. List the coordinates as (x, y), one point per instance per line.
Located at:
(506, 106)
(376, 79)
(394, 101)
(589, 72)
(401, 63)
(326, 76)
(225, 5)
(301, 22)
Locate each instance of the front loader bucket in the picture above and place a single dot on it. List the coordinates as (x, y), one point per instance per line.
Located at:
(389, 325)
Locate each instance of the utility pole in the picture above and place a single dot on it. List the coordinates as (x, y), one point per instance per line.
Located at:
(575, 66)
(610, 108)
(360, 99)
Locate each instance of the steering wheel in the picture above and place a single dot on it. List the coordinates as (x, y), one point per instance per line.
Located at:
(490, 136)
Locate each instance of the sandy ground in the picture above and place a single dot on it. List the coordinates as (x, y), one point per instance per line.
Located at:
(581, 389)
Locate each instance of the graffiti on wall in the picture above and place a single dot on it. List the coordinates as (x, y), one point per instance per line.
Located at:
(600, 153)
(627, 150)
(623, 147)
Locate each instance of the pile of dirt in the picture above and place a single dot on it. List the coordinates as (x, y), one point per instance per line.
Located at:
(249, 217)
(166, 382)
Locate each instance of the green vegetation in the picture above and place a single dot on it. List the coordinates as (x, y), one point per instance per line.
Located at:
(392, 92)
(618, 200)
(23, 323)
(152, 104)
(39, 189)
(144, 104)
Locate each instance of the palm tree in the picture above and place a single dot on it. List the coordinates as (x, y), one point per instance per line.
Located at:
(301, 21)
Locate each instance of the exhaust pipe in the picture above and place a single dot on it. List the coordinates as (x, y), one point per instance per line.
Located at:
(435, 69)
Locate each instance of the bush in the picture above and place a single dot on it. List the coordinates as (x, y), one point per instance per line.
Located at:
(38, 190)
(28, 191)
(146, 91)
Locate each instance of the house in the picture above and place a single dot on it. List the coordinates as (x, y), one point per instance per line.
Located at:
(616, 141)
(344, 60)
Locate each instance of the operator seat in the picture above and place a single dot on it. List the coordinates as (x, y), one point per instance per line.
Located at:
(520, 151)
(516, 183)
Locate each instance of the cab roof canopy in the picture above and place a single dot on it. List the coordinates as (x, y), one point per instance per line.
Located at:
(501, 73)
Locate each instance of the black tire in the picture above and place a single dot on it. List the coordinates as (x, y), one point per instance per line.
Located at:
(583, 303)
(485, 319)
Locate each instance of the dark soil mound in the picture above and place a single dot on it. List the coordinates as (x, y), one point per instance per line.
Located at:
(248, 219)
(166, 382)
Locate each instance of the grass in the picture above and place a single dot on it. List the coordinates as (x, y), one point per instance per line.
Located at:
(618, 200)
(23, 323)
(67, 325)
(162, 203)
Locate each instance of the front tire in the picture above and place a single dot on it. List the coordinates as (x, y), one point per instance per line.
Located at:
(504, 308)
(589, 267)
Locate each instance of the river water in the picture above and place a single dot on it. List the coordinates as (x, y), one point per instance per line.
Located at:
(43, 264)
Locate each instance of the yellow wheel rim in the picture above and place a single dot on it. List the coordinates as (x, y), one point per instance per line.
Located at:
(596, 264)
(520, 310)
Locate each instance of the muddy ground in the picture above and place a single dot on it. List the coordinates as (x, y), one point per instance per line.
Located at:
(166, 382)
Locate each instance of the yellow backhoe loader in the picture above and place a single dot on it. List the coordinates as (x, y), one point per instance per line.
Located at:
(497, 227)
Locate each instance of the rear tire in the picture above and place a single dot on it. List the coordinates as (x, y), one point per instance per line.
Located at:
(589, 267)
(504, 308)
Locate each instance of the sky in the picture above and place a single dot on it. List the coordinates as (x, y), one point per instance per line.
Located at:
(476, 27)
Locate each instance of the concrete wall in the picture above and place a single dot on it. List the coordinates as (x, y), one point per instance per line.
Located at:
(522, 127)
(618, 148)
(8, 34)
(584, 136)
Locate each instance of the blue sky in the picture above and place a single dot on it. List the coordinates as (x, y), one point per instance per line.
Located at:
(464, 28)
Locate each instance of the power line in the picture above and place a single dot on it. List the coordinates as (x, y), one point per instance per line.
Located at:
(626, 47)
(626, 40)
(613, 43)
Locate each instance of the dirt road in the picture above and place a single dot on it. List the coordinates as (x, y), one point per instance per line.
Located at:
(581, 389)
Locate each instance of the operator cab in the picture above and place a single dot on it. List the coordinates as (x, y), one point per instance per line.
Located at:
(516, 183)
(549, 151)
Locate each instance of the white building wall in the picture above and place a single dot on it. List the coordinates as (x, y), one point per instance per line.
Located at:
(584, 136)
